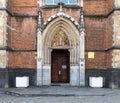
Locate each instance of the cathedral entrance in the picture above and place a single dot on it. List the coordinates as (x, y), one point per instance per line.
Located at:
(60, 66)
(60, 52)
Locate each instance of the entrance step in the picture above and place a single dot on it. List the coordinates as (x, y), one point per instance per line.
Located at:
(60, 84)
(58, 91)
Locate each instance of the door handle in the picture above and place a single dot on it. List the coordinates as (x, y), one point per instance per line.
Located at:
(59, 72)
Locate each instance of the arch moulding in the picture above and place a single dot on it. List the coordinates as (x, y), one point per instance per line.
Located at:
(70, 28)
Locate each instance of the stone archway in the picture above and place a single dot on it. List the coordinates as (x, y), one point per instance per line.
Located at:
(61, 24)
(56, 24)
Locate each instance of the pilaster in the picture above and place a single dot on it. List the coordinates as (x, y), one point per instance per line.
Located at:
(82, 50)
(3, 34)
(39, 51)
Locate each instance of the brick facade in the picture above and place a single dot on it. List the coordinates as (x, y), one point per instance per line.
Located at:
(23, 36)
(96, 23)
(95, 7)
(102, 35)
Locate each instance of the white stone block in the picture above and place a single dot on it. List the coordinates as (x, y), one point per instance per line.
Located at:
(74, 76)
(22, 81)
(46, 75)
(96, 81)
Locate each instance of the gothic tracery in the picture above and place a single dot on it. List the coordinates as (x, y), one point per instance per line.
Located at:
(60, 39)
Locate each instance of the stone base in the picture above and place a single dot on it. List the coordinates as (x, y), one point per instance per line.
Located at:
(46, 75)
(3, 78)
(74, 75)
(111, 76)
(13, 73)
(94, 73)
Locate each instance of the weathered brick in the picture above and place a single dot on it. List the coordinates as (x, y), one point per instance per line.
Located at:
(24, 35)
(22, 60)
(95, 31)
(23, 7)
(99, 60)
(98, 24)
(95, 7)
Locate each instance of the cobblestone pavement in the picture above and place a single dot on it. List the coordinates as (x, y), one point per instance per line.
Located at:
(109, 98)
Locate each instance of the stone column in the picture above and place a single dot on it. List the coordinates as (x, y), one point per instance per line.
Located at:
(82, 59)
(3, 34)
(39, 51)
(3, 43)
(82, 50)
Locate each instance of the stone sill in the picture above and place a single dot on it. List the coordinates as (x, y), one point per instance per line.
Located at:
(2, 8)
(65, 6)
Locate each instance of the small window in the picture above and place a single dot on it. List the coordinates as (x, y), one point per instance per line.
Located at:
(50, 2)
(56, 1)
(72, 1)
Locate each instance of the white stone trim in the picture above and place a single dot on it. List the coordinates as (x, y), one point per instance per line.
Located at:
(5, 58)
(74, 75)
(82, 59)
(39, 59)
(61, 14)
(117, 3)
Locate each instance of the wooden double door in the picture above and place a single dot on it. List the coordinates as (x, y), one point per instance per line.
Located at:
(60, 66)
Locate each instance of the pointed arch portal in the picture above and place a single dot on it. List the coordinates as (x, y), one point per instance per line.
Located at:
(58, 28)
(60, 38)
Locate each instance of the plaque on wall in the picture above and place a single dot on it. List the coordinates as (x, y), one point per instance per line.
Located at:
(91, 55)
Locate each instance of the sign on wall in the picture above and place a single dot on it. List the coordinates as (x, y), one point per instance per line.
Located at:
(91, 55)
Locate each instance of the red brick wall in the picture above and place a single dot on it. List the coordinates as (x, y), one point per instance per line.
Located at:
(23, 7)
(99, 32)
(9, 5)
(22, 60)
(98, 29)
(47, 13)
(99, 36)
(22, 38)
(95, 31)
(109, 59)
(109, 5)
(9, 36)
(95, 7)
(109, 32)
(99, 60)
(24, 35)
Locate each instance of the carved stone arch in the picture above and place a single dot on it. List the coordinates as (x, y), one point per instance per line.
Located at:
(70, 30)
(58, 22)
(57, 28)
(63, 15)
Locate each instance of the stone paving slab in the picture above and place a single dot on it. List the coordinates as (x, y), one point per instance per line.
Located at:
(58, 91)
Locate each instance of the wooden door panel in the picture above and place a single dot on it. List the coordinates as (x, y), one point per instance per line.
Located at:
(60, 66)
